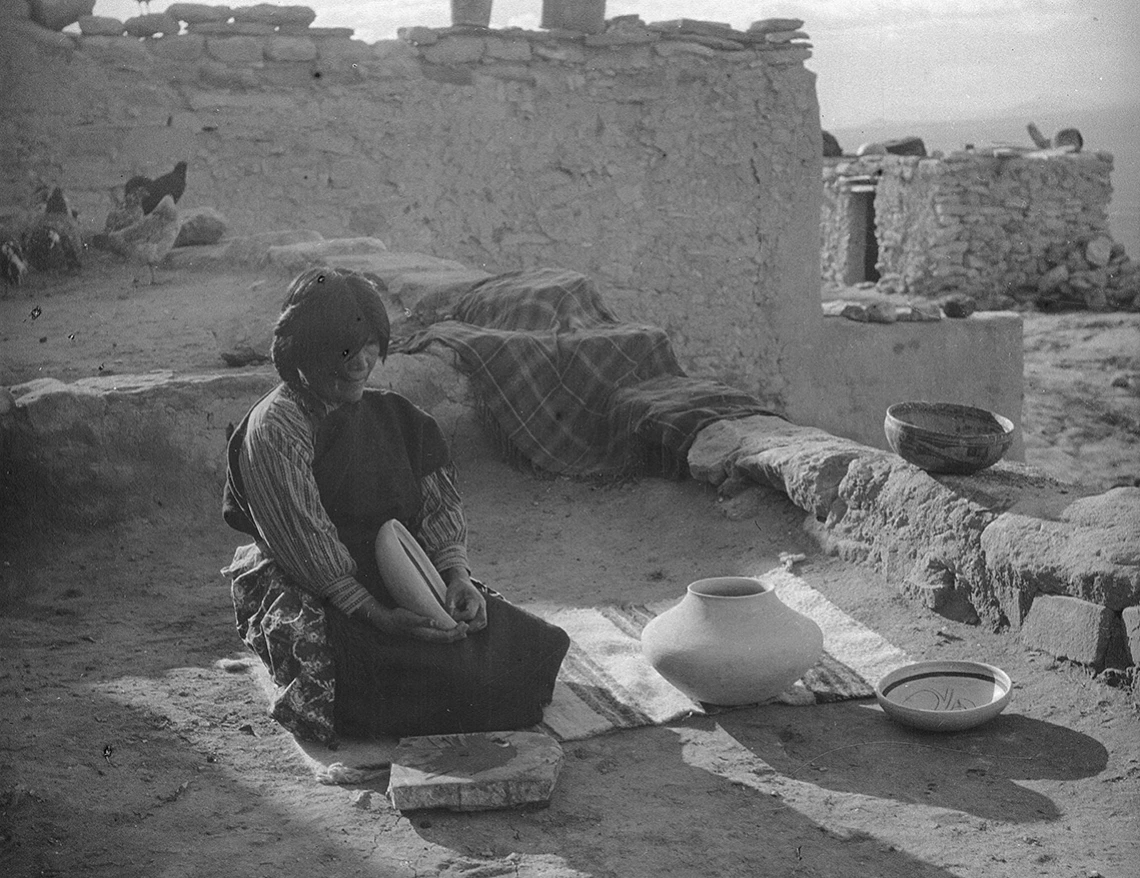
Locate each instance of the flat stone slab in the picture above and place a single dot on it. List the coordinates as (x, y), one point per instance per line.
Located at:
(474, 772)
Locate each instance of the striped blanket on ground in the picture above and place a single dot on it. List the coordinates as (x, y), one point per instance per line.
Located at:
(606, 685)
(568, 388)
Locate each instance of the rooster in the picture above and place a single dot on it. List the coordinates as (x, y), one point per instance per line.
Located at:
(53, 242)
(172, 184)
(148, 240)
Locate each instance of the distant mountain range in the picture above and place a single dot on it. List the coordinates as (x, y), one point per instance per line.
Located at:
(1113, 129)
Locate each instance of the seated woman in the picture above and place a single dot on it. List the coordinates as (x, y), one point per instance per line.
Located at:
(316, 467)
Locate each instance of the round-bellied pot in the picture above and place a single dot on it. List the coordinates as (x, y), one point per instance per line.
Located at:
(731, 640)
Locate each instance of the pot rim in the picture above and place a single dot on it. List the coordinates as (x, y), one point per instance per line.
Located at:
(746, 587)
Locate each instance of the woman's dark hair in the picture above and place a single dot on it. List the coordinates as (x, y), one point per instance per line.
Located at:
(327, 311)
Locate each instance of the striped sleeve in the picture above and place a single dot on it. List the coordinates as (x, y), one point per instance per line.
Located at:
(443, 532)
(277, 469)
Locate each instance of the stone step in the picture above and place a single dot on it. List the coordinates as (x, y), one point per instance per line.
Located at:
(474, 772)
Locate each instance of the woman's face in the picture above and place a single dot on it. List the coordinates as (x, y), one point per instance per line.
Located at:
(341, 378)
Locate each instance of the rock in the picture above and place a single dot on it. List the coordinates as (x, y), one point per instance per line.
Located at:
(1052, 280)
(198, 13)
(831, 147)
(1069, 628)
(1084, 546)
(418, 35)
(786, 36)
(918, 313)
(474, 772)
(101, 26)
(152, 25)
(253, 250)
(272, 14)
(905, 146)
(695, 26)
(201, 226)
(1098, 251)
(808, 471)
(871, 149)
(1130, 616)
(959, 306)
(775, 25)
(58, 14)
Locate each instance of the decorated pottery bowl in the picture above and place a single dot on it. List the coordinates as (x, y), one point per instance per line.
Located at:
(943, 437)
(944, 696)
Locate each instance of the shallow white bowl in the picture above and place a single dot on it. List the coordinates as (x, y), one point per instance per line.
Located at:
(944, 696)
(409, 575)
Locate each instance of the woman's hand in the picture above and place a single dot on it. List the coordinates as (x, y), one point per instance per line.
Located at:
(410, 624)
(464, 602)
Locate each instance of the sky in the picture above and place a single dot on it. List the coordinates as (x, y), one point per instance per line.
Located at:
(874, 59)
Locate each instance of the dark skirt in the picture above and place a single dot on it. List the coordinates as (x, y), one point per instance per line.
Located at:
(495, 679)
(334, 675)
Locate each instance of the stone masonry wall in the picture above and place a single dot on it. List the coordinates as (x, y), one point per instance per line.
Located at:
(677, 164)
(1019, 226)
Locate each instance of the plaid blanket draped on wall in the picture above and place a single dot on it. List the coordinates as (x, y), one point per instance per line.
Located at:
(570, 389)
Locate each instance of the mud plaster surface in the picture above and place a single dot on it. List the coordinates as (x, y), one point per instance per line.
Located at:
(126, 751)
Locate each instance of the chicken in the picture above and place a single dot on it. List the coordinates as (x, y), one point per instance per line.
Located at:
(147, 241)
(126, 214)
(13, 266)
(53, 242)
(172, 184)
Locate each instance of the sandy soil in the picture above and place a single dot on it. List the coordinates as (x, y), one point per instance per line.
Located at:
(128, 751)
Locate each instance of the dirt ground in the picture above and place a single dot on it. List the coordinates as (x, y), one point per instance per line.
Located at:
(127, 750)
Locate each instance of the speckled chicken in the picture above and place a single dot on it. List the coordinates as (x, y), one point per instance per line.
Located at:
(13, 265)
(126, 214)
(53, 242)
(148, 240)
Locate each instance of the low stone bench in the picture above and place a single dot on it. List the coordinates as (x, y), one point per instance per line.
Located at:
(1009, 546)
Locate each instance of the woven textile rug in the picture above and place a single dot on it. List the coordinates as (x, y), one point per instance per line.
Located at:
(605, 683)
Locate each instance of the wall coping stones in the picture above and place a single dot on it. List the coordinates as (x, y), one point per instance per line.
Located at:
(270, 13)
(152, 24)
(446, 45)
(100, 26)
(199, 13)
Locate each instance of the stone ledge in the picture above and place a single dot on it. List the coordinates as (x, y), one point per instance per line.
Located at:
(982, 548)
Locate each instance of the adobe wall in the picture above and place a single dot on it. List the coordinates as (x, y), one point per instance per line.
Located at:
(678, 166)
(986, 223)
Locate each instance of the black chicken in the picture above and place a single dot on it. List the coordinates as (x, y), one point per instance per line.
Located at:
(172, 184)
(53, 242)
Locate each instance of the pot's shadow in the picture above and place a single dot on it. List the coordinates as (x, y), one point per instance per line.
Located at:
(853, 747)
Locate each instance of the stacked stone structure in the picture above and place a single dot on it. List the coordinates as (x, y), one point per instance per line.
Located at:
(1004, 226)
